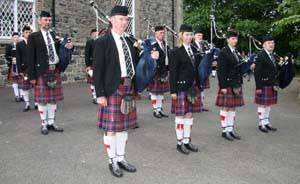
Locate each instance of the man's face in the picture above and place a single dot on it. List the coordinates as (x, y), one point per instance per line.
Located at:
(15, 38)
(45, 22)
(94, 35)
(198, 36)
(187, 37)
(26, 34)
(269, 46)
(119, 23)
(160, 35)
(232, 41)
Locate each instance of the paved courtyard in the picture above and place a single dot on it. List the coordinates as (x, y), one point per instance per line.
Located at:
(77, 156)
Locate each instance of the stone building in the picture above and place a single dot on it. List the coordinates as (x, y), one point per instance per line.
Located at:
(78, 18)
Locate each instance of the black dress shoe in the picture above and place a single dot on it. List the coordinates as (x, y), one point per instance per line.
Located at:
(44, 131)
(126, 166)
(235, 135)
(115, 170)
(163, 114)
(95, 101)
(191, 147)
(157, 114)
(17, 99)
(204, 109)
(263, 129)
(269, 127)
(227, 136)
(182, 149)
(54, 128)
(27, 108)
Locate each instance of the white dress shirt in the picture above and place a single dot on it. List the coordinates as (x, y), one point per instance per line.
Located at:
(56, 59)
(118, 41)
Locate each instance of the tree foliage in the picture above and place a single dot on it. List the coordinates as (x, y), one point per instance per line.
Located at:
(281, 18)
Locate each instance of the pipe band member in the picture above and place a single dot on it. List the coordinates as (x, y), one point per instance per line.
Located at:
(230, 94)
(185, 88)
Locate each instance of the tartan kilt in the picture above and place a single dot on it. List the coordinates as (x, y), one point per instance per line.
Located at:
(230, 100)
(11, 77)
(110, 117)
(24, 84)
(181, 105)
(43, 94)
(206, 85)
(90, 80)
(157, 87)
(268, 96)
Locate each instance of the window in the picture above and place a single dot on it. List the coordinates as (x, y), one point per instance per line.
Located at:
(14, 14)
(131, 6)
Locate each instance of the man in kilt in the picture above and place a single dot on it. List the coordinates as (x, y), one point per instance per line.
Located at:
(266, 72)
(114, 63)
(13, 75)
(185, 88)
(203, 48)
(44, 73)
(160, 83)
(89, 50)
(230, 94)
(22, 56)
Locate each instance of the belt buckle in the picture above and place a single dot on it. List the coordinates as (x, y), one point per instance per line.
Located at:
(127, 81)
(52, 67)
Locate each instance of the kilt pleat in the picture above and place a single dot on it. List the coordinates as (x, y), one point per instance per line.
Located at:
(268, 97)
(230, 100)
(181, 105)
(110, 117)
(157, 87)
(44, 94)
(24, 84)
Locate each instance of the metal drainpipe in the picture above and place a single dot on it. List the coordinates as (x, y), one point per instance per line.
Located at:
(173, 21)
(53, 15)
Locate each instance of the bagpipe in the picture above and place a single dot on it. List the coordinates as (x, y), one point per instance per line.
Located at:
(286, 71)
(65, 54)
(205, 66)
(146, 67)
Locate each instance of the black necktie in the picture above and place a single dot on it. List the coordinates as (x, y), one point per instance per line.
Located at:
(191, 55)
(236, 56)
(273, 59)
(162, 46)
(50, 48)
(129, 67)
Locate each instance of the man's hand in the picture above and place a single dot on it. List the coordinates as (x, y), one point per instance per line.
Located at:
(69, 45)
(154, 54)
(174, 96)
(102, 101)
(258, 91)
(224, 91)
(33, 82)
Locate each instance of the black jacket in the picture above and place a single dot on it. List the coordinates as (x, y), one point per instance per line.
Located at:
(228, 70)
(266, 74)
(38, 59)
(182, 71)
(106, 65)
(162, 68)
(22, 56)
(89, 50)
(9, 54)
